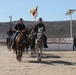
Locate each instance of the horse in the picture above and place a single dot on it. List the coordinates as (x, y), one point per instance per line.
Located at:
(8, 39)
(31, 41)
(39, 44)
(20, 44)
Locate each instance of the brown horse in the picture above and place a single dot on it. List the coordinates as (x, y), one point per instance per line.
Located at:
(20, 44)
(31, 42)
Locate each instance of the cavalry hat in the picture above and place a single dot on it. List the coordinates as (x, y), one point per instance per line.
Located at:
(21, 19)
(40, 19)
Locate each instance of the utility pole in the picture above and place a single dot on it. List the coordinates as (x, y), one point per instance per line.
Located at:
(10, 22)
(70, 12)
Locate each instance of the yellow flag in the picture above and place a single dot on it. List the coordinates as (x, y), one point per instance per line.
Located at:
(34, 11)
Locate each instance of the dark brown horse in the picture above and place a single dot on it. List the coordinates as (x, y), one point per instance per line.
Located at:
(20, 44)
(8, 39)
(31, 41)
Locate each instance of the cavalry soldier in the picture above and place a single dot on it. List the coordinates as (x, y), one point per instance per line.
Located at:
(20, 27)
(39, 25)
(10, 32)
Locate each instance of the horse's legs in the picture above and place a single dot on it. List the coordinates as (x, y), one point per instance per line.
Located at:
(20, 55)
(17, 54)
(26, 49)
(38, 52)
(32, 50)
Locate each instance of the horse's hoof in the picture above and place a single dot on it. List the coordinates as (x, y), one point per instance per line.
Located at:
(19, 60)
(26, 51)
(32, 53)
(39, 60)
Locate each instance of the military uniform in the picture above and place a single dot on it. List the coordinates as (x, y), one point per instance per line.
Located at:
(18, 27)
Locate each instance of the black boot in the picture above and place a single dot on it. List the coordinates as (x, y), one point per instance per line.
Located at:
(45, 42)
(45, 46)
(33, 43)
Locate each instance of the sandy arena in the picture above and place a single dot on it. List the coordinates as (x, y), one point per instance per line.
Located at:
(53, 63)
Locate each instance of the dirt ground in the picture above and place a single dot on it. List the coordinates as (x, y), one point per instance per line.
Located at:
(53, 63)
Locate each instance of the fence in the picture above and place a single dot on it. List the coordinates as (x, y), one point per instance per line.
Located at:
(60, 40)
(53, 43)
(60, 43)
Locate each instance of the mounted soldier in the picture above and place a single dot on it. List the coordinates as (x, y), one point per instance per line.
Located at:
(39, 25)
(10, 32)
(20, 27)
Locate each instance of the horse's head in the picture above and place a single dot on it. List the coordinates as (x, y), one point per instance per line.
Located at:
(40, 33)
(23, 36)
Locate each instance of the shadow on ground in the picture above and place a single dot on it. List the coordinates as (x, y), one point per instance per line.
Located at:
(47, 56)
(54, 62)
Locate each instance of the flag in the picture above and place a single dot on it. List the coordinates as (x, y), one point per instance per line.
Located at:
(34, 11)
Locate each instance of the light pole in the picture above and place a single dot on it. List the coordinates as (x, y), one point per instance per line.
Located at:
(70, 12)
(10, 22)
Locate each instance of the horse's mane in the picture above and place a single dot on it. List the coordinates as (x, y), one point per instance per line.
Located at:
(40, 30)
(19, 36)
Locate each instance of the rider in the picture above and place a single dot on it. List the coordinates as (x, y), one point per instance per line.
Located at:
(39, 25)
(18, 27)
(9, 34)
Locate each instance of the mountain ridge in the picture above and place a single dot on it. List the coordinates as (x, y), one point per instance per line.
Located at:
(54, 29)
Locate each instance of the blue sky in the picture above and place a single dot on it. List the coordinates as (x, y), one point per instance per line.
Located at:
(49, 10)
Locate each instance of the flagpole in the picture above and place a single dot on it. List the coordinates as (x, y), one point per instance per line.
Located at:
(35, 20)
(10, 22)
(36, 14)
